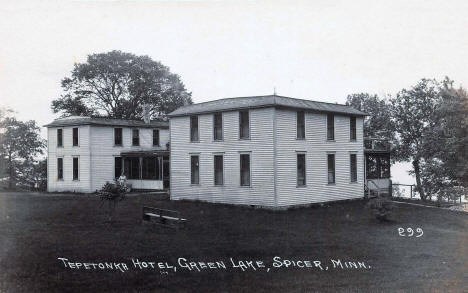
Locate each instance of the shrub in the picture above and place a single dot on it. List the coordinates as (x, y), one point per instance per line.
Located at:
(112, 193)
(381, 208)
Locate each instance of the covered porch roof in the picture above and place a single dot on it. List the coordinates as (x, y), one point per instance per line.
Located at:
(149, 153)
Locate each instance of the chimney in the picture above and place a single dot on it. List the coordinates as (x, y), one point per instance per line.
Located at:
(146, 113)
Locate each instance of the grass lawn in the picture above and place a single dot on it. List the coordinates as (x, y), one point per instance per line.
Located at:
(35, 230)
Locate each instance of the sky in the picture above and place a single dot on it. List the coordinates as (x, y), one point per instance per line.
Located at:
(317, 50)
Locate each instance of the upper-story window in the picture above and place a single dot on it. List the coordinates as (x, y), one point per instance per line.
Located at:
(244, 127)
(75, 136)
(135, 137)
(155, 137)
(330, 127)
(59, 137)
(194, 135)
(300, 125)
(218, 126)
(118, 136)
(352, 128)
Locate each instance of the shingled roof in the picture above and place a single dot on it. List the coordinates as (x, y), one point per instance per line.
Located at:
(83, 120)
(230, 104)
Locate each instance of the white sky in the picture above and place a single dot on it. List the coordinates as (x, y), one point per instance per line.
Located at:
(319, 50)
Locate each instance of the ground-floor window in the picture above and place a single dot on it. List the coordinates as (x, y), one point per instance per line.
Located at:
(194, 169)
(60, 168)
(331, 168)
(117, 167)
(132, 167)
(76, 170)
(151, 168)
(301, 170)
(218, 170)
(245, 169)
(353, 167)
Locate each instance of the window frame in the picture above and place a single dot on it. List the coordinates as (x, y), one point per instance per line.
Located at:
(192, 183)
(60, 169)
(158, 136)
(214, 126)
(191, 117)
(77, 137)
(121, 136)
(214, 169)
(240, 126)
(297, 169)
(330, 126)
(352, 130)
(121, 166)
(135, 130)
(250, 169)
(334, 168)
(61, 138)
(353, 177)
(303, 125)
(77, 178)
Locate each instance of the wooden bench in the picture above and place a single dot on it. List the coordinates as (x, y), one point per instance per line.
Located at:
(166, 218)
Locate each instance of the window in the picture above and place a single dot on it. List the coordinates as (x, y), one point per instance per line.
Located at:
(194, 170)
(117, 167)
(353, 167)
(218, 126)
(244, 131)
(155, 137)
(75, 168)
(150, 168)
(352, 128)
(331, 168)
(194, 128)
(136, 137)
(59, 137)
(330, 127)
(301, 170)
(75, 136)
(118, 137)
(300, 125)
(60, 168)
(132, 167)
(218, 170)
(245, 170)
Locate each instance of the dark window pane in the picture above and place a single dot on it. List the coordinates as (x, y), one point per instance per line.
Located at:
(218, 126)
(300, 125)
(194, 170)
(353, 167)
(75, 136)
(156, 137)
(75, 169)
(218, 170)
(117, 167)
(150, 164)
(352, 128)
(301, 170)
(132, 167)
(194, 128)
(59, 137)
(331, 168)
(244, 131)
(330, 127)
(136, 137)
(118, 136)
(60, 168)
(245, 169)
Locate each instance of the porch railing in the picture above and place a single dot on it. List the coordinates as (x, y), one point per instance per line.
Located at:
(376, 144)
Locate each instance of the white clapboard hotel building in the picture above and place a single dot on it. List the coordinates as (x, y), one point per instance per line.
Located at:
(269, 151)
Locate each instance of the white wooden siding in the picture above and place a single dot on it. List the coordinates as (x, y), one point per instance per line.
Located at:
(316, 147)
(260, 146)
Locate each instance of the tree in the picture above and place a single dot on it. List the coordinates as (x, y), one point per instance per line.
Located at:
(414, 116)
(379, 122)
(117, 85)
(20, 142)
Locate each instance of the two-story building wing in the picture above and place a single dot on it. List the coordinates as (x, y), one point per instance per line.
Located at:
(268, 151)
(84, 153)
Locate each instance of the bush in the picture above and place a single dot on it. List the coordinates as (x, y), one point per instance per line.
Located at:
(112, 193)
(381, 208)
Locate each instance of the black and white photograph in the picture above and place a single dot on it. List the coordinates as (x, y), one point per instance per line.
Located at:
(233, 146)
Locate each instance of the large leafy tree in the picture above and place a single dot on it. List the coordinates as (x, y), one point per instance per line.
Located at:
(118, 84)
(414, 113)
(20, 143)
